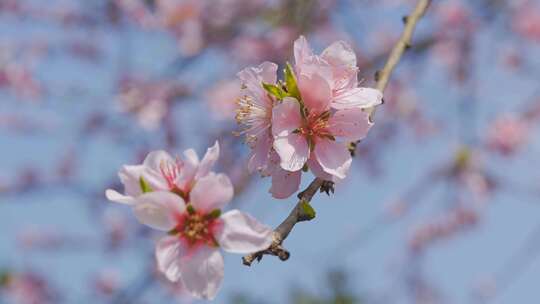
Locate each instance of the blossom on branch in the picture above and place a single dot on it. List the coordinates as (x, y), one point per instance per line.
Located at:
(308, 119)
(184, 198)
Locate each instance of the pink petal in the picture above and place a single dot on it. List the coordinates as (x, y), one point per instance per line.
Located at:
(152, 169)
(318, 171)
(154, 159)
(208, 161)
(339, 53)
(301, 50)
(168, 253)
(286, 117)
(357, 97)
(211, 192)
(334, 157)
(273, 163)
(129, 176)
(350, 125)
(189, 168)
(315, 91)
(202, 272)
(114, 196)
(260, 153)
(268, 72)
(159, 209)
(241, 233)
(293, 151)
(252, 78)
(342, 59)
(285, 183)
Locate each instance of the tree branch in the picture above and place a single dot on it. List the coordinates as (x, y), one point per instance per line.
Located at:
(299, 214)
(383, 76)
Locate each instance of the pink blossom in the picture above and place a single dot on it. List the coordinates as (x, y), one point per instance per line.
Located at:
(507, 134)
(316, 129)
(453, 15)
(149, 101)
(190, 254)
(164, 173)
(29, 288)
(107, 281)
(309, 126)
(526, 21)
(185, 199)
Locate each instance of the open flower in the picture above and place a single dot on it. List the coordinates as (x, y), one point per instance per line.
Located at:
(190, 254)
(183, 198)
(315, 127)
(160, 171)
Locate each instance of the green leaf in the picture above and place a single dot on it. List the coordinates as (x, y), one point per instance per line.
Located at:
(274, 90)
(308, 211)
(290, 82)
(145, 187)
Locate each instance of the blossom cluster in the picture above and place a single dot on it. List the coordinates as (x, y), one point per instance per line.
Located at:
(306, 120)
(303, 122)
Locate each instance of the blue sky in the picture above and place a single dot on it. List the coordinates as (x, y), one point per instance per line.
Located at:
(375, 265)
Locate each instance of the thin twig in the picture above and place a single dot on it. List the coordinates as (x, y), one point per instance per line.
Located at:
(404, 43)
(298, 213)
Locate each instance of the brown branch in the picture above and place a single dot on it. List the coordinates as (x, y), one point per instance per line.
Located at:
(383, 76)
(298, 214)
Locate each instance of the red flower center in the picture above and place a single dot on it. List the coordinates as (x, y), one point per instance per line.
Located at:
(316, 126)
(197, 228)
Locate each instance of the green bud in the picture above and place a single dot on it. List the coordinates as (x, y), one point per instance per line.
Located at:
(307, 210)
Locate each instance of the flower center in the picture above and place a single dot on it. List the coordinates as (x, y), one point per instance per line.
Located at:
(316, 126)
(253, 116)
(197, 228)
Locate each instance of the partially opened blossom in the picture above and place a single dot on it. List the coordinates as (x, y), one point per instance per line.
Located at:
(159, 171)
(254, 115)
(190, 254)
